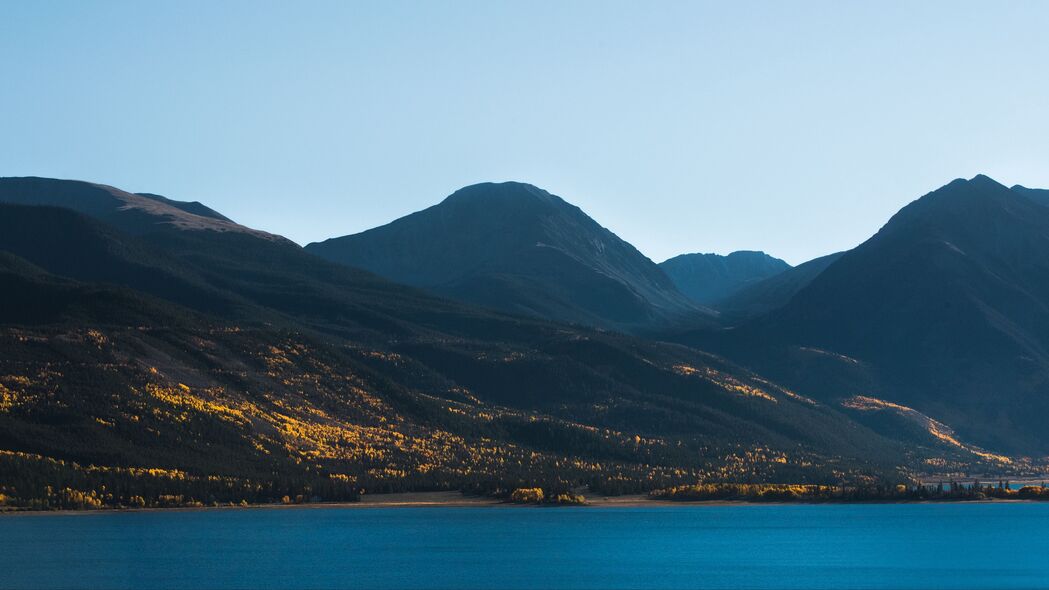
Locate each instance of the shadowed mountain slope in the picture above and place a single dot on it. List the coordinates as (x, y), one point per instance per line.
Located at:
(709, 278)
(945, 310)
(517, 248)
(1038, 195)
(68, 244)
(763, 296)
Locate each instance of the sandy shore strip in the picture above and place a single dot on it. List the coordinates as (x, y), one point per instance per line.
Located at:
(422, 499)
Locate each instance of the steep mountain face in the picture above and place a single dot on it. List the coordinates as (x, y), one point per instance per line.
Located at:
(517, 248)
(760, 297)
(257, 370)
(128, 212)
(710, 278)
(944, 310)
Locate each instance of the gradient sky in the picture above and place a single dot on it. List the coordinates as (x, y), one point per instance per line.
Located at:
(797, 128)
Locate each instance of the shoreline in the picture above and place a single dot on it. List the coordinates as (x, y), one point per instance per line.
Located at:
(457, 500)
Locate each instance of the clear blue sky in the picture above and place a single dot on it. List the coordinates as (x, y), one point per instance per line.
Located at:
(797, 128)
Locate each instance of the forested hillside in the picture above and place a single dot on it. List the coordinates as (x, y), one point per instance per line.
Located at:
(174, 363)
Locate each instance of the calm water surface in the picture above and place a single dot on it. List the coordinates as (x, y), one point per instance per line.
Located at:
(839, 546)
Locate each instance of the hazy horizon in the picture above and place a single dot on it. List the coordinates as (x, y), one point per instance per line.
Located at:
(797, 130)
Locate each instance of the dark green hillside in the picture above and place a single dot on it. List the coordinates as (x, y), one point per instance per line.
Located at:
(105, 388)
(68, 244)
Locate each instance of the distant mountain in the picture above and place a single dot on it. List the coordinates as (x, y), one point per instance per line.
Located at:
(760, 297)
(945, 310)
(517, 248)
(709, 278)
(128, 212)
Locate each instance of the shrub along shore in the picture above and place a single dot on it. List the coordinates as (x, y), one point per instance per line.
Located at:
(947, 491)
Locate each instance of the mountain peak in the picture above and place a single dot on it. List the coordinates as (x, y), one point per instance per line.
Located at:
(734, 255)
(503, 194)
(489, 189)
(708, 278)
(516, 247)
(978, 181)
(984, 180)
(749, 254)
(960, 200)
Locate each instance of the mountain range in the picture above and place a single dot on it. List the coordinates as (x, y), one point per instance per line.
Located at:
(500, 339)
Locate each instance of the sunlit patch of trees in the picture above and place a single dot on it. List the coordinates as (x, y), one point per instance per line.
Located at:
(724, 381)
(749, 492)
(14, 392)
(538, 496)
(568, 499)
(39, 483)
(527, 496)
(936, 429)
(1033, 492)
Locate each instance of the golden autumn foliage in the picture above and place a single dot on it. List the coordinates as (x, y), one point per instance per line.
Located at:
(570, 499)
(936, 429)
(724, 381)
(527, 496)
(1033, 493)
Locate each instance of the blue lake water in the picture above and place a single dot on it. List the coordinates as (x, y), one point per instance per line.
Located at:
(756, 546)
